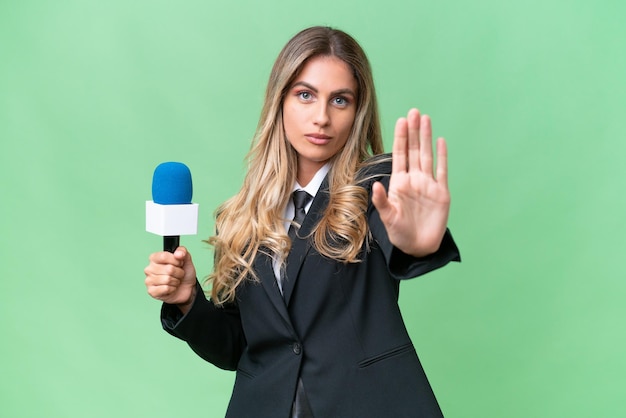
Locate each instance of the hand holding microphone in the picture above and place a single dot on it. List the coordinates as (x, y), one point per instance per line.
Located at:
(171, 278)
(171, 275)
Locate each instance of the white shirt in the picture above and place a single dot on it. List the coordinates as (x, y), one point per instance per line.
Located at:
(312, 188)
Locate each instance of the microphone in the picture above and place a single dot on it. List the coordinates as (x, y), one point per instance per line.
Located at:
(170, 213)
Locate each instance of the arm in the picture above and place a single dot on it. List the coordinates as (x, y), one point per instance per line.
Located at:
(214, 333)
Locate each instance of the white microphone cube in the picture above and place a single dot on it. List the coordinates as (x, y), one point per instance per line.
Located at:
(171, 220)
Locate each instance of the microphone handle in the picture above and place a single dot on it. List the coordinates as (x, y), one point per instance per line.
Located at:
(170, 243)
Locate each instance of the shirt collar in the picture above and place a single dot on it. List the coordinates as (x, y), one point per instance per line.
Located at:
(316, 181)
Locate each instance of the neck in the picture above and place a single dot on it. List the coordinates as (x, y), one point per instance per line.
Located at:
(307, 171)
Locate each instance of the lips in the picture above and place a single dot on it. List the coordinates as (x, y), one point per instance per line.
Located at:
(318, 139)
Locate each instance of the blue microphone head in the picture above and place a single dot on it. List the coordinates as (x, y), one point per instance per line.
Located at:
(171, 184)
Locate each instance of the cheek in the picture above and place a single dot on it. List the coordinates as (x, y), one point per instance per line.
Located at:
(346, 126)
(287, 120)
(291, 121)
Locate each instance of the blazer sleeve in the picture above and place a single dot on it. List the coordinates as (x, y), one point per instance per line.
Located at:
(400, 264)
(214, 333)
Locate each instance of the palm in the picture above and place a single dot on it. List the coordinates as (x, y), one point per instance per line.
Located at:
(415, 209)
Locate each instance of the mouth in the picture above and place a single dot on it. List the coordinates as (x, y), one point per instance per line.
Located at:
(318, 139)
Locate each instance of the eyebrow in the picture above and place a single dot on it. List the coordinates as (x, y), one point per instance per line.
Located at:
(332, 93)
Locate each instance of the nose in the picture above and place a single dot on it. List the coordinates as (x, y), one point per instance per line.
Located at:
(321, 117)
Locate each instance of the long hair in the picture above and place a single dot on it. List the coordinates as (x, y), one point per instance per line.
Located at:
(252, 221)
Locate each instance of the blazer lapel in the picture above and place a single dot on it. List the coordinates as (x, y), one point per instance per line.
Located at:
(263, 265)
(302, 244)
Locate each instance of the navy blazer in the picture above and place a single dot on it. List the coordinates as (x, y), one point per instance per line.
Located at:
(338, 328)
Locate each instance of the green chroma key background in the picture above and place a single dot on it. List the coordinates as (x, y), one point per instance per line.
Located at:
(530, 96)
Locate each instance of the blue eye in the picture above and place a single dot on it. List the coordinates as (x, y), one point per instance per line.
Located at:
(304, 95)
(340, 101)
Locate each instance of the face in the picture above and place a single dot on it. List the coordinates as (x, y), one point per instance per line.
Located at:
(318, 112)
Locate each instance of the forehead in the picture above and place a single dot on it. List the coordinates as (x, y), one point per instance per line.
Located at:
(327, 73)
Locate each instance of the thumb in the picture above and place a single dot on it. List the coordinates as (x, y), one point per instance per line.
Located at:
(181, 254)
(379, 198)
(184, 257)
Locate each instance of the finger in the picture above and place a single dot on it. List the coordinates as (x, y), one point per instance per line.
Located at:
(156, 269)
(188, 269)
(181, 253)
(162, 280)
(160, 292)
(379, 198)
(442, 162)
(164, 257)
(426, 146)
(399, 151)
(414, 139)
(185, 256)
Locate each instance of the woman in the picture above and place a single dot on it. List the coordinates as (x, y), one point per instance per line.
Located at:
(309, 319)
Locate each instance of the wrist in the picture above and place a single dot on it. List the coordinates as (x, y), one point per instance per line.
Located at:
(421, 251)
(186, 306)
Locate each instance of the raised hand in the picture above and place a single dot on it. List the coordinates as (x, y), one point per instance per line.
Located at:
(171, 278)
(415, 209)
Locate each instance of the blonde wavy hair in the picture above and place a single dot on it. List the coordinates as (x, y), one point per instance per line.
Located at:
(252, 221)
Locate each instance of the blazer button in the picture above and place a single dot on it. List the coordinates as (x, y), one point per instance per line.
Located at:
(297, 348)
